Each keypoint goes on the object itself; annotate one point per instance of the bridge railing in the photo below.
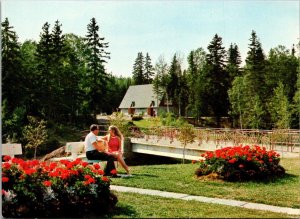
(288, 138)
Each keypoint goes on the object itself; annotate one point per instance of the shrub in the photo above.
(240, 163)
(64, 189)
(137, 117)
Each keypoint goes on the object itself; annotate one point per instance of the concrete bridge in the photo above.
(154, 145)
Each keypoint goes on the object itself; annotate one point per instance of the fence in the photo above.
(289, 138)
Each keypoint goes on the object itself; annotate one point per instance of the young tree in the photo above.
(35, 133)
(279, 107)
(161, 80)
(96, 75)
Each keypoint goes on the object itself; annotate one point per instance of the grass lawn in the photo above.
(132, 205)
(180, 178)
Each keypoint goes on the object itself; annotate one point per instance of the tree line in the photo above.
(262, 94)
(62, 78)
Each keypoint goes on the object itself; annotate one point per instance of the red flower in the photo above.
(270, 160)
(29, 171)
(87, 176)
(241, 166)
(232, 160)
(105, 179)
(47, 183)
(91, 180)
(5, 179)
(6, 158)
(84, 164)
(97, 166)
(113, 172)
(6, 165)
(101, 172)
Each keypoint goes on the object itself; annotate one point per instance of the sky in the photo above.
(160, 28)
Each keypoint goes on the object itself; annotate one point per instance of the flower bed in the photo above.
(64, 189)
(240, 163)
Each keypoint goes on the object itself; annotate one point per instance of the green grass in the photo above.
(180, 178)
(145, 123)
(132, 205)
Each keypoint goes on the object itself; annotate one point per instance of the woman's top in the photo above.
(113, 144)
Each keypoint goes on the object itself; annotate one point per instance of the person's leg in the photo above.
(122, 162)
(96, 155)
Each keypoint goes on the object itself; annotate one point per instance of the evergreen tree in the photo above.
(256, 90)
(197, 62)
(282, 68)
(217, 79)
(149, 73)
(138, 70)
(173, 87)
(233, 62)
(96, 75)
(14, 83)
(44, 84)
(255, 66)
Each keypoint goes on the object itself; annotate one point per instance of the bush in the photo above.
(240, 163)
(137, 117)
(64, 189)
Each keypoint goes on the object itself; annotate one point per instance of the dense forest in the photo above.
(62, 79)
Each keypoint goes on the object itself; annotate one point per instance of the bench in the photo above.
(11, 149)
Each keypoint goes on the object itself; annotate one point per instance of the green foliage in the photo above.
(12, 123)
(119, 120)
(280, 108)
(216, 79)
(96, 77)
(35, 133)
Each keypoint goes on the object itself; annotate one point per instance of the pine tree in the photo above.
(138, 70)
(149, 73)
(13, 82)
(97, 77)
(217, 79)
(197, 62)
(255, 65)
(173, 87)
(255, 72)
(14, 91)
(44, 83)
(233, 62)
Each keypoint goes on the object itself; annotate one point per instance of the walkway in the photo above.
(234, 203)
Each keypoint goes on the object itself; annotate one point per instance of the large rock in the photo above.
(60, 152)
